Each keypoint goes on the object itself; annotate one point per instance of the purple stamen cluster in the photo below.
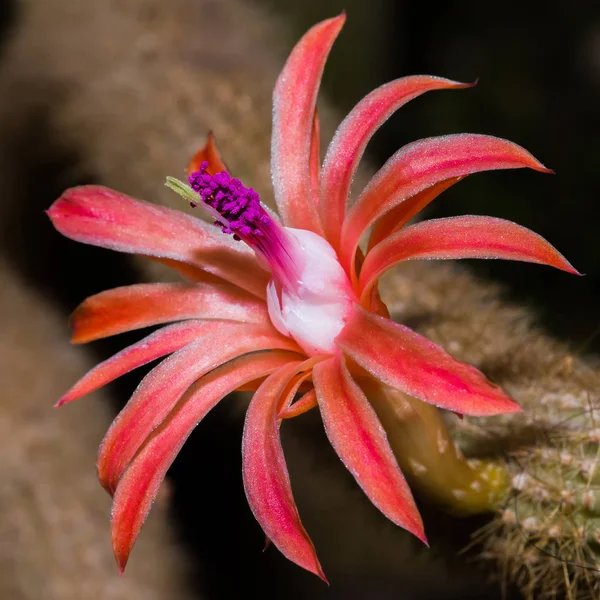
(238, 205)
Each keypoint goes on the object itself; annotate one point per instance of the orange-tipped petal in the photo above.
(294, 101)
(422, 164)
(266, 478)
(398, 217)
(140, 482)
(461, 237)
(351, 138)
(361, 443)
(301, 406)
(209, 153)
(162, 342)
(160, 390)
(407, 361)
(102, 217)
(135, 306)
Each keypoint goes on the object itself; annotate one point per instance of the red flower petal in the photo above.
(361, 443)
(160, 390)
(396, 218)
(294, 102)
(188, 272)
(407, 361)
(160, 343)
(210, 153)
(102, 217)
(140, 482)
(421, 164)
(304, 404)
(135, 306)
(266, 479)
(314, 165)
(461, 237)
(351, 138)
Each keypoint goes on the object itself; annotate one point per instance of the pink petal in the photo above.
(461, 237)
(266, 478)
(407, 361)
(160, 343)
(140, 482)
(304, 404)
(421, 164)
(314, 164)
(188, 272)
(351, 138)
(396, 218)
(135, 306)
(102, 217)
(210, 153)
(294, 102)
(361, 443)
(160, 390)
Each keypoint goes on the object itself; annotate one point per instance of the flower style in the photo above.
(288, 304)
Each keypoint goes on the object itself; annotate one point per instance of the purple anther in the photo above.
(238, 205)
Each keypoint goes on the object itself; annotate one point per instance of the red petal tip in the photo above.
(121, 563)
(418, 531)
(121, 556)
(511, 408)
(459, 85)
(567, 267)
(321, 574)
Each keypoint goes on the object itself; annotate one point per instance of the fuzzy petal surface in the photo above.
(422, 164)
(161, 389)
(350, 140)
(294, 101)
(360, 441)
(135, 306)
(266, 478)
(461, 237)
(160, 343)
(140, 482)
(102, 217)
(314, 164)
(399, 216)
(307, 402)
(409, 362)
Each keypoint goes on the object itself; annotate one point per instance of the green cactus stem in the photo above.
(429, 457)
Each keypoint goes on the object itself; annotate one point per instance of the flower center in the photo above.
(315, 310)
(310, 296)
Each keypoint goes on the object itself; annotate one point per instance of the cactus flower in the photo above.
(287, 305)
